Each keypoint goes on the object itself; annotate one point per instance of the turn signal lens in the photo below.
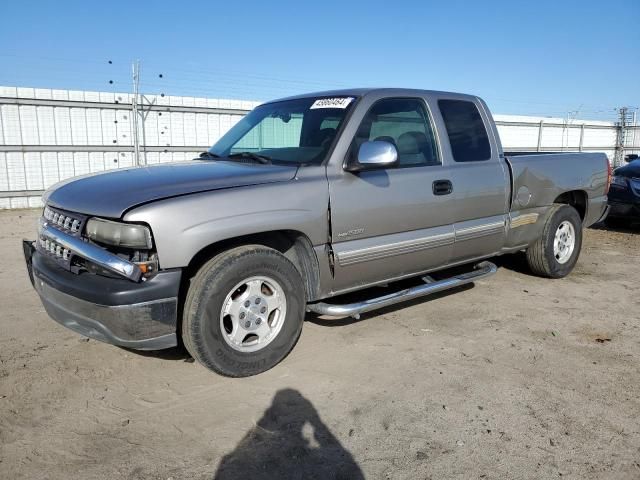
(148, 268)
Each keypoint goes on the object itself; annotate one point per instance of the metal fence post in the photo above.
(134, 106)
(540, 135)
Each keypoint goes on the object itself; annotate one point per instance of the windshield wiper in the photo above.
(209, 155)
(251, 156)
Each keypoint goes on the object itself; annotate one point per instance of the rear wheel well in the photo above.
(577, 199)
(294, 245)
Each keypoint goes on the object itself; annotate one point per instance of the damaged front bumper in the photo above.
(140, 316)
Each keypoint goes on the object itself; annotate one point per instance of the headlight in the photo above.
(620, 181)
(119, 234)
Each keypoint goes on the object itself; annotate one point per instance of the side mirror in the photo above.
(631, 157)
(373, 155)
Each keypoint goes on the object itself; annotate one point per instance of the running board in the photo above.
(482, 270)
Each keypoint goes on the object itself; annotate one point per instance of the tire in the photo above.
(212, 331)
(615, 222)
(546, 261)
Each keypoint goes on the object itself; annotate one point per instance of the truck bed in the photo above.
(538, 179)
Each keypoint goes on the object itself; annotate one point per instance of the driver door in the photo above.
(392, 222)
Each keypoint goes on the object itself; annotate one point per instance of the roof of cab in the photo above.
(360, 92)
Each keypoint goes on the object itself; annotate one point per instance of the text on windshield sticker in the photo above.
(338, 102)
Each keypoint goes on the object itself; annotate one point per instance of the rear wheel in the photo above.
(244, 311)
(556, 252)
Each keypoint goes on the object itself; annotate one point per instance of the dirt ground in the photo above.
(515, 377)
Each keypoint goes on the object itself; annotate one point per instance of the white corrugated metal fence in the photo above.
(51, 135)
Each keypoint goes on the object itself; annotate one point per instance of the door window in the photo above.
(405, 123)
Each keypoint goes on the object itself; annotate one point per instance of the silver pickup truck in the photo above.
(303, 200)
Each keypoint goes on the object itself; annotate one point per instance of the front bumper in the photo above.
(626, 210)
(141, 316)
(624, 201)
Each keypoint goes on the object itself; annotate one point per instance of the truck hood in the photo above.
(111, 194)
(631, 170)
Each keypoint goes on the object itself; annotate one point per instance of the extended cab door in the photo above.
(480, 178)
(391, 222)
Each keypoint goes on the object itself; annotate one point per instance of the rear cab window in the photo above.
(466, 131)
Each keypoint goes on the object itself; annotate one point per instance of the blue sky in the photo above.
(524, 57)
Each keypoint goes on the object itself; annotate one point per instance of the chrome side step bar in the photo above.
(482, 270)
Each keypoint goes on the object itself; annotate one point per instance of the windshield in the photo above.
(297, 131)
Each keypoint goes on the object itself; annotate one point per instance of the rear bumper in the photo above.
(596, 210)
(605, 214)
(141, 316)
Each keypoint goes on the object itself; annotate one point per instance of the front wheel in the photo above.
(244, 311)
(556, 252)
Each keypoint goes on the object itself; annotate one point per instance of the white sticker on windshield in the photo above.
(338, 102)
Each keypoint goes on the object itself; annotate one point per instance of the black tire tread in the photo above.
(615, 222)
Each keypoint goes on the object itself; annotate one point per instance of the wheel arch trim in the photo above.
(292, 244)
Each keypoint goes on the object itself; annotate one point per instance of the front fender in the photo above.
(183, 226)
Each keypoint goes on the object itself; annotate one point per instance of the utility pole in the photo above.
(141, 107)
(623, 125)
(135, 67)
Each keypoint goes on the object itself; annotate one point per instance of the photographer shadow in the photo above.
(289, 441)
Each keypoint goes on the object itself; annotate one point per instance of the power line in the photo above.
(237, 84)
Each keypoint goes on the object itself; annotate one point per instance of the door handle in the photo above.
(442, 187)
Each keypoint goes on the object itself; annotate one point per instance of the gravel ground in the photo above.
(515, 377)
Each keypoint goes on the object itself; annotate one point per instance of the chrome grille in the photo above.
(67, 222)
(63, 220)
(55, 249)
